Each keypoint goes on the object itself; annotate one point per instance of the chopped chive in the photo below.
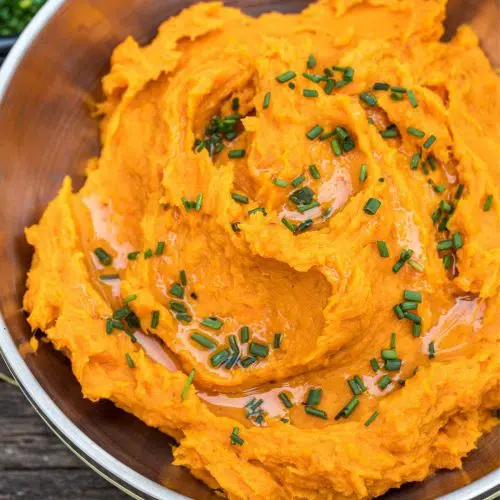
(412, 98)
(444, 245)
(384, 381)
(374, 364)
(372, 418)
(291, 85)
(199, 202)
(133, 255)
(155, 319)
(401, 90)
(447, 261)
(429, 142)
(213, 323)
(148, 253)
(310, 93)
(236, 153)
(380, 86)
(313, 170)
(303, 226)
(219, 358)
(409, 306)
(285, 400)
(445, 206)
(130, 298)
(160, 247)
(122, 312)
(130, 361)
(360, 383)
(488, 203)
(235, 227)
(316, 131)
(177, 307)
(117, 324)
(233, 343)
(417, 329)
(382, 249)
(280, 182)
(186, 203)
(104, 258)
(341, 133)
(413, 317)
(393, 341)
(316, 412)
(432, 351)
(235, 104)
(186, 318)
(340, 68)
(298, 180)
(277, 340)
(398, 311)
(350, 407)
(235, 438)
(439, 188)
(432, 163)
(392, 365)
(267, 100)
(286, 76)
(249, 360)
(305, 208)
(183, 278)
(415, 159)
(348, 74)
(458, 240)
(256, 210)
(389, 132)
(443, 224)
(330, 85)
(396, 96)
(311, 62)
(354, 386)
(258, 350)
(109, 325)
(239, 198)
(203, 340)
(288, 224)
(460, 190)
(328, 72)
(412, 296)
(363, 172)
(244, 334)
(314, 396)
(415, 132)
(425, 170)
(388, 354)
(326, 136)
(177, 290)
(436, 215)
(336, 147)
(314, 78)
(372, 205)
(367, 98)
(188, 383)
(109, 277)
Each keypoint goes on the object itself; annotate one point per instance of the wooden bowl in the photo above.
(47, 132)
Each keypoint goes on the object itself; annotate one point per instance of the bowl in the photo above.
(47, 132)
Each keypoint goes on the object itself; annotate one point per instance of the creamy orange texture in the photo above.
(327, 290)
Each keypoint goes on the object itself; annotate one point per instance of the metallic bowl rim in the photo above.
(111, 469)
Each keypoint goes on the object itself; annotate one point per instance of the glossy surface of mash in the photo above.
(327, 289)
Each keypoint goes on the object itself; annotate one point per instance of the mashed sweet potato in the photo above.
(287, 255)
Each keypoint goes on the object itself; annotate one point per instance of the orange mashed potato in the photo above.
(287, 255)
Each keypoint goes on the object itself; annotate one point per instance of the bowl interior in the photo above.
(48, 133)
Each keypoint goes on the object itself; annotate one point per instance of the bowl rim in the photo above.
(104, 464)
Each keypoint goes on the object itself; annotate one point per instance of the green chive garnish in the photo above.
(350, 407)
(109, 277)
(130, 361)
(330, 85)
(305, 208)
(368, 98)
(183, 278)
(413, 317)
(354, 386)
(288, 224)
(316, 131)
(374, 364)
(415, 159)
(109, 325)
(460, 190)
(291, 85)
(336, 147)
(388, 354)
(188, 383)
(382, 249)
(186, 318)
(148, 253)
(104, 258)
(443, 224)
(314, 396)
(177, 290)
(244, 334)
(235, 438)
(398, 311)
(267, 100)
(316, 412)
(256, 210)
(160, 247)
(130, 298)
(381, 86)
(396, 96)
(458, 241)
(310, 93)
(384, 381)
(219, 358)
(177, 307)
(213, 323)
(409, 306)
(372, 418)
(203, 340)
(412, 98)
(186, 203)
(432, 350)
(277, 340)
(412, 296)
(122, 312)
(488, 203)
(249, 360)
(311, 62)
(313, 170)
(303, 226)
(198, 202)
(371, 206)
(155, 319)
(432, 162)
(133, 255)
(429, 142)
(286, 76)
(417, 330)
(236, 153)
(444, 245)
(298, 181)
(258, 350)
(400, 90)
(280, 182)
(239, 198)
(285, 400)
(363, 172)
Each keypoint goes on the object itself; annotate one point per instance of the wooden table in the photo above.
(34, 464)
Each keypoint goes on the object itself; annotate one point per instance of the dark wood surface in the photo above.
(34, 463)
